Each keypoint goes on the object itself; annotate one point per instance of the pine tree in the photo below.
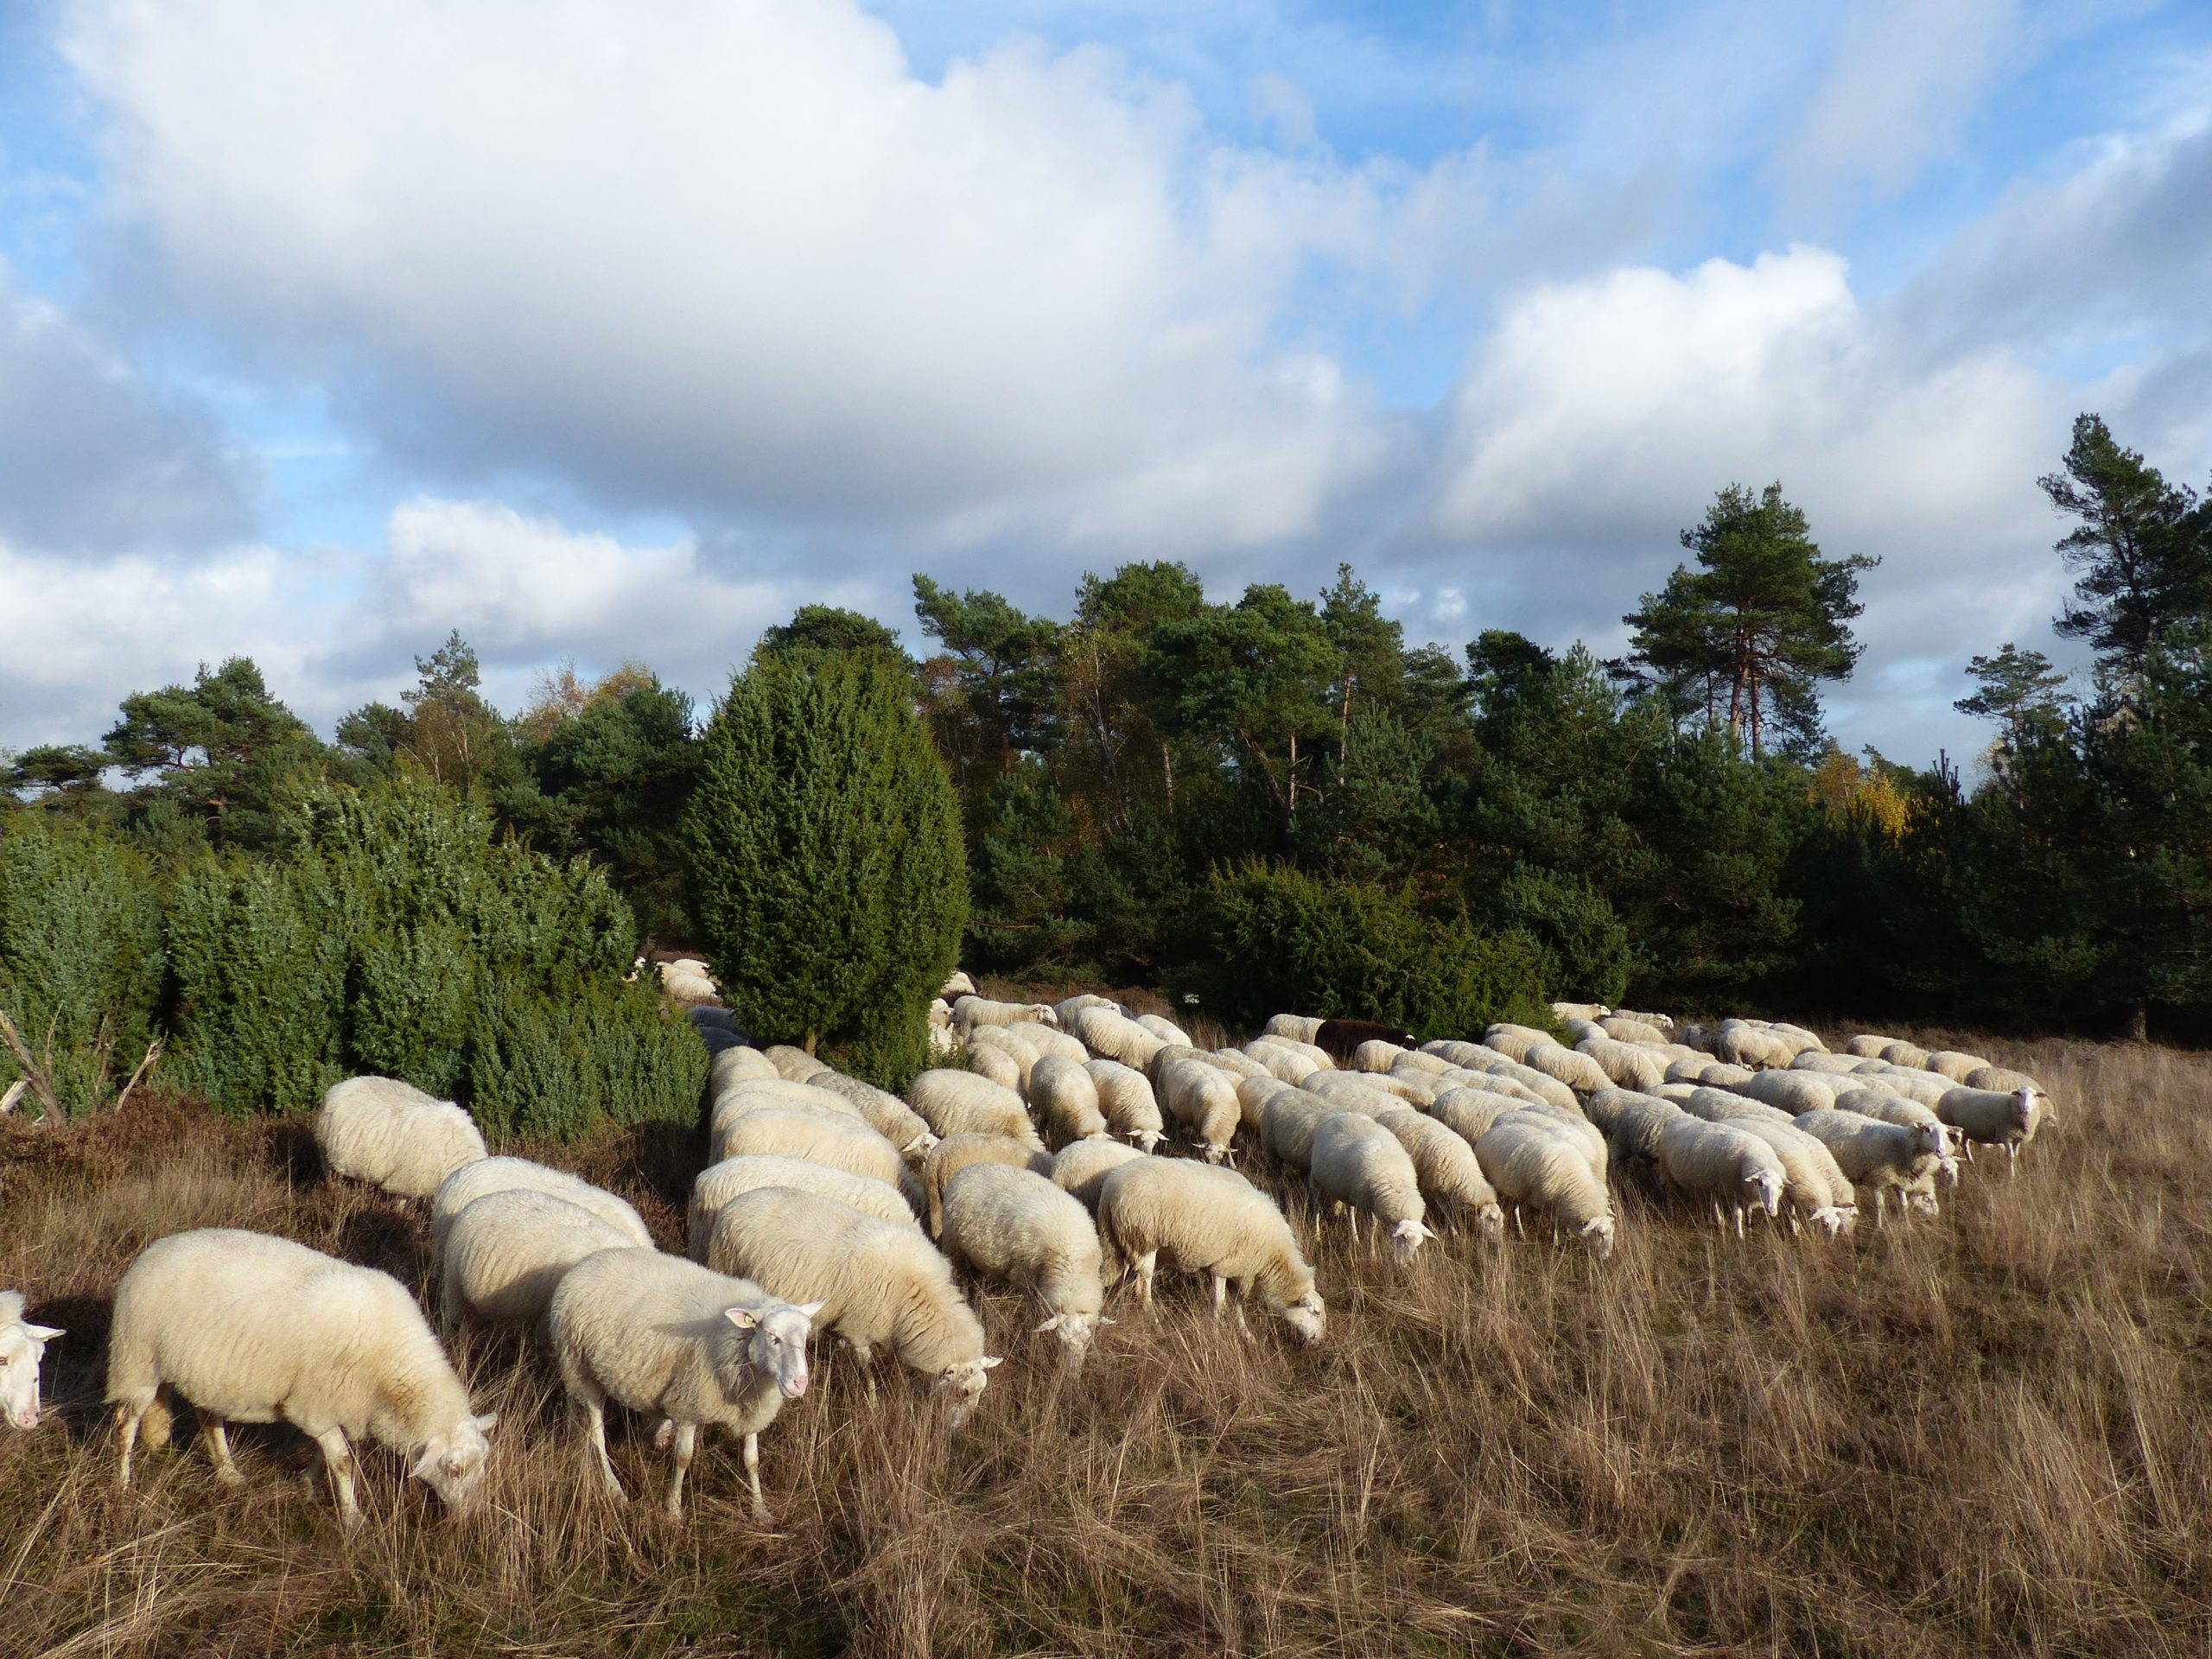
(827, 867)
(2142, 548)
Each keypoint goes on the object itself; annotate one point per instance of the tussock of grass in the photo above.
(1977, 1435)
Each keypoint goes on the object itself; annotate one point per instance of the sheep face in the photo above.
(1074, 1332)
(775, 1342)
(1306, 1316)
(1598, 1234)
(2024, 1111)
(1833, 1221)
(1927, 1138)
(960, 1384)
(1918, 1202)
(452, 1463)
(21, 1347)
(1147, 1140)
(1490, 1224)
(1762, 1190)
(1406, 1237)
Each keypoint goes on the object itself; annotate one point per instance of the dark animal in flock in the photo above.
(1341, 1037)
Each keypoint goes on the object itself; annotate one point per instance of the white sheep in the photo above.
(1352, 1091)
(1800, 1041)
(994, 1064)
(1992, 1117)
(1111, 1035)
(255, 1329)
(780, 1131)
(1359, 1166)
(875, 1285)
(1790, 1091)
(1066, 1009)
(1579, 1010)
(1451, 1176)
(22, 1348)
(1884, 1107)
(1632, 1133)
(489, 1175)
(1952, 1063)
(1513, 1041)
(717, 1184)
(1815, 1185)
(1048, 1040)
(1727, 1166)
(1236, 1062)
(1626, 1065)
(505, 1252)
(883, 1111)
(1417, 1060)
(737, 1063)
(984, 1041)
(393, 1135)
(677, 1341)
(1470, 1113)
(1577, 1129)
(1298, 1027)
(1080, 1168)
(1287, 1120)
(689, 988)
(960, 1102)
(1064, 1096)
(1908, 1055)
(1125, 1095)
(1204, 1103)
(1725, 1106)
(2005, 1080)
(970, 1011)
(956, 986)
(1866, 1045)
(1155, 1211)
(1578, 1071)
(764, 1095)
(1016, 1227)
(1914, 1082)
(1886, 1157)
(792, 1063)
(1533, 1165)
(958, 1152)
(1376, 1055)
(1662, 1023)
(1281, 1059)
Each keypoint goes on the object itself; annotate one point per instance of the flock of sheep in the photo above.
(1041, 1164)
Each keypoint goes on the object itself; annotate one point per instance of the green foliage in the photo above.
(828, 873)
(1587, 942)
(223, 747)
(1348, 949)
(557, 1064)
(2142, 547)
(80, 956)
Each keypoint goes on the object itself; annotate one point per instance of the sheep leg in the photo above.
(1739, 1221)
(594, 1407)
(1220, 1294)
(1146, 1265)
(753, 1476)
(2012, 1162)
(687, 1442)
(129, 1419)
(1517, 1226)
(337, 1461)
(218, 1448)
(1880, 1219)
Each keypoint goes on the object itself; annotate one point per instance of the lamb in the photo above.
(1733, 1168)
(874, 1285)
(717, 1184)
(392, 1134)
(1204, 1103)
(22, 1348)
(960, 1102)
(1451, 1176)
(958, 1152)
(1165, 1029)
(1153, 1209)
(781, 1132)
(1287, 1124)
(884, 1112)
(1065, 1096)
(1814, 1183)
(1358, 1164)
(1018, 1228)
(792, 1064)
(736, 1064)
(677, 1341)
(1625, 1065)
(1887, 1157)
(1791, 1091)
(1125, 1096)
(488, 1175)
(995, 1065)
(506, 1251)
(1113, 1036)
(1281, 1059)
(1950, 1063)
(254, 1329)
(1533, 1167)
(1082, 1167)
(1340, 1038)
(1298, 1027)
(1993, 1118)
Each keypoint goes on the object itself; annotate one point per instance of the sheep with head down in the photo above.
(1533, 1165)
(1172, 1212)
(1357, 1165)
(1020, 1228)
(22, 1348)
(1727, 1166)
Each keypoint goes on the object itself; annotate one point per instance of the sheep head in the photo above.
(775, 1336)
(452, 1464)
(1305, 1315)
(1764, 1190)
(1406, 1237)
(960, 1384)
(1074, 1332)
(22, 1345)
(1490, 1224)
(1598, 1234)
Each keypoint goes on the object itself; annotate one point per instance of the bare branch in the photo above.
(40, 1081)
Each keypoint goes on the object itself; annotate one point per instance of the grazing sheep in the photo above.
(958, 1152)
(1165, 1029)
(716, 1039)
(689, 988)
(1791, 1091)
(971, 1011)
(717, 1184)
(506, 1251)
(393, 1135)
(1415, 1085)
(1203, 1102)
(1340, 1038)
(719, 1019)
(1298, 1027)
(1470, 1113)
(1377, 1055)
(1064, 1095)
(254, 1329)
(1081, 1168)
(1048, 1040)
(1662, 1023)
(1011, 1043)
(1125, 1095)
(1066, 1009)
(1688, 1068)
(1281, 1059)
(1515, 1041)
(1170, 1052)
(1418, 1059)
(489, 1175)
(672, 1339)
(883, 1111)
(1952, 1063)
(1237, 1061)
(1602, 1107)
(960, 1102)
(1887, 1108)
(1576, 1127)
(1928, 1088)
(23, 1347)
(1156, 1211)
(1113, 1036)
(1451, 1176)
(1534, 1166)
(792, 1064)
(1019, 1229)
(2004, 1080)
(956, 986)
(781, 1132)
(764, 1095)
(1579, 1010)
(994, 1064)
(1358, 1164)
(1725, 1106)
(1815, 1185)
(1632, 1138)
(1541, 1086)
(1353, 1091)
(1626, 1065)
(736, 1065)
(941, 1041)
(1800, 1041)
(1727, 1165)
(1992, 1117)
(1287, 1121)
(1911, 1055)
(1886, 1157)
(873, 1285)
(1866, 1046)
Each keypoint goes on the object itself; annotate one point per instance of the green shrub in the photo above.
(557, 1064)
(81, 956)
(1589, 945)
(1284, 940)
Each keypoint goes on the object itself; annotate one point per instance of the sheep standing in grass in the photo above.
(960, 1102)
(994, 1064)
(489, 1175)
(1203, 1102)
(505, 1252)
(677, 1341)
(873, 1285)
(1066, 1098)
(1626, 1065)
(1992, 1118)
(1005, 1040)
(1451, 1176)
(1298, 1027)
(958, 1152)
(1579, 1010)
(1163, 1210)
(1886, 1157)
(1049, 1041)
(1730, 1168)
(22, 1348)
(1125, 1095)
(1378, 1054)
(254, 1329)
(717, 1184)
(780, 1132)
(1368, 1093)
(1952, 1063)
(1081, 1168)
(1791, 1091)
(1113, 1036)
(1471, 1113)
(794, 1064)
(1534, 1166)
(736, 1064)
(1281, 1059)
(1632, 1136)
(1287, 1121)
(1066, 1009)
(883, 1111)
(970, 1012)
(393, 1135)
(1886, 1107)
(1359, 1166)
(1815, 1185)
(1020, 1228)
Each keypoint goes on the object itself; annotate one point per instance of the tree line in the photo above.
(1136, 783)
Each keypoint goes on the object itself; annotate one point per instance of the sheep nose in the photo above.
(794, 1387)
(26, 1417)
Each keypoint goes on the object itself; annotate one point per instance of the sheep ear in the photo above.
(989, 1360)
(42, 1333)
(487, 1422)
(743, 1318)
(1102, 1319)
(1052, 1324)
(811, 1309)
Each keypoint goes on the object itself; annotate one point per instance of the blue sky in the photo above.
(606, 331)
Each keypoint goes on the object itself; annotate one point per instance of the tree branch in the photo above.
(41, 1082)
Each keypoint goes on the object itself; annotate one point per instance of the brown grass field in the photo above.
(1982, 1434)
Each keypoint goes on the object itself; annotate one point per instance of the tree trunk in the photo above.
(813, 1038)
(2135, 1023)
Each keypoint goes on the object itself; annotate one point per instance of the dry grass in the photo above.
(1975, 1436)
